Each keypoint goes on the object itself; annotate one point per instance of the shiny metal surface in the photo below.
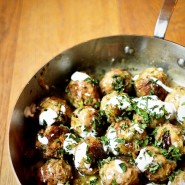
(93, 57)
(164, 18)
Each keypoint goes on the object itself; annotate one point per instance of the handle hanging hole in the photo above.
(181, 62)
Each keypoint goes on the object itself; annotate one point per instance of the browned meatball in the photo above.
(179, 178)
(170, 135)
(147, 83)
(54, 109)
(125, 137)
(151, 111)
(118, 171)
(86, 155)
(87, 121)
(177, 97)
(114, 105)
(155, 165)
(55, 171)
(83, 91)
(117, 79)
(50, 141)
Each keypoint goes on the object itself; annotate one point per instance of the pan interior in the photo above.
(134, 53)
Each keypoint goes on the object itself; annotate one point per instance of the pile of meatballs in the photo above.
(120, 130)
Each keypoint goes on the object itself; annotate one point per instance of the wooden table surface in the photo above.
(34, 31)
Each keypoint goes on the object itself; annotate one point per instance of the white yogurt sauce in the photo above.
(80, 155)
(117, 163)
(160, 69)
(69, 143)
(143, 160)
(79, 76)
(112, 136)
(43, 140)
(179, 183)
(153, 105)
(84, 133)
(158, 82)
(175, 144)
(181, 110)
(118, 101)
(138, 129)
(63, 109)
(135, 77)
(48, 116)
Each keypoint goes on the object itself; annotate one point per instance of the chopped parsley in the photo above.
(114, 182)
(123, 167)
(94, 181)
(92, 81)
(120, 141)
(154, 167)
(57, 140)
(118, 83)
(104, 140)
(105, 161)
(172, 153)
(173, 174)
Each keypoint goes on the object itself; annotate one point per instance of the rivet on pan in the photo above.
(181, 62)
(128, 50)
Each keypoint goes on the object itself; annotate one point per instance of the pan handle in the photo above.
(164, 18)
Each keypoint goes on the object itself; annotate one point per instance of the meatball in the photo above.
(54, 109)
(151, 82)
(177, 97)
(50, 141)
(55, 171)
(70, 143)
(82, 90)
(87, 121)
(116, 79)
(118, 171)
(156, 166)
(124, 137)
(115, 105)
(86, 155)
(168, 135)
(179, 178)
(151, 111)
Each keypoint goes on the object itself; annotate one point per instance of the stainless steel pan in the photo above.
(132, 52)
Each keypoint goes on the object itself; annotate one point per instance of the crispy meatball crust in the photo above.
(83, 93)
(145, 86)
(59, 106)
(125, 138)
(151, 122)
(95, 147)
(116, 79)
(170, 135)
(87, 121)
(55, 171)
(86, 155)
(119, 172)
(114, 105)
(175, 96)
(54, 137)
(179, 178)
(166, 166)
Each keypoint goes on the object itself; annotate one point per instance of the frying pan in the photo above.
(134, 53)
